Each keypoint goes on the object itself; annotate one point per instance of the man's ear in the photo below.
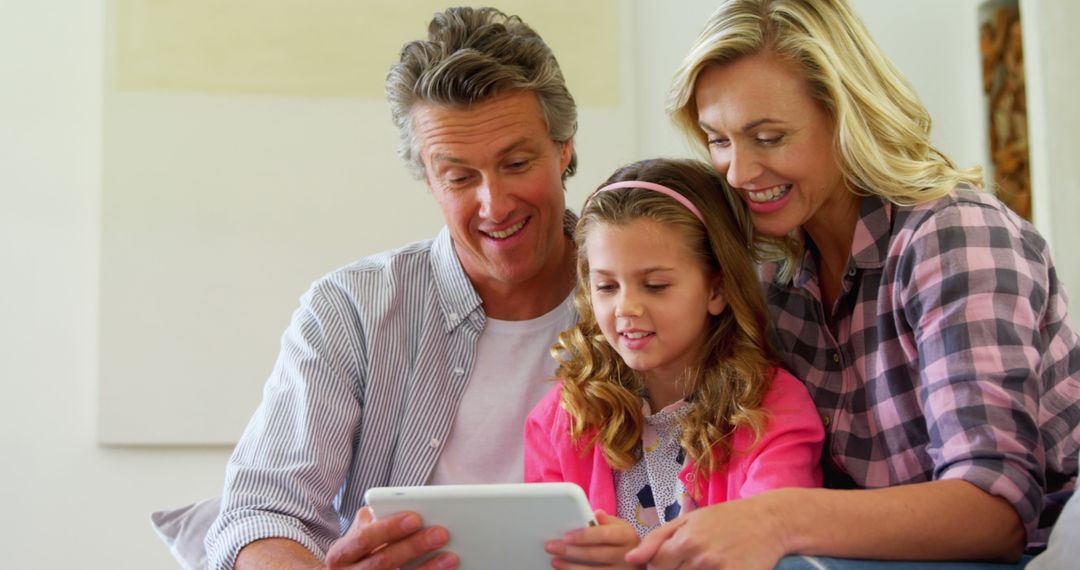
(717, 301)
(565, 154)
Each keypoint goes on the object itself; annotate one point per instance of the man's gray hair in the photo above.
(472, 55)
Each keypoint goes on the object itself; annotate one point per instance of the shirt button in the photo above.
(851, 272)
(690, 477)
(836, 357)
(434, 442)
(459, 371)
(825, 420)
(453, 316)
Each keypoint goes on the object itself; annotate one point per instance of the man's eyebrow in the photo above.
(443, 157)
(513, 146)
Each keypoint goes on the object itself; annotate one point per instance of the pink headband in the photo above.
(655, 188)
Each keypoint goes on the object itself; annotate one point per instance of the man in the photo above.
(419, 365)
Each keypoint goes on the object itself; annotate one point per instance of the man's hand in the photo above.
(389, 543)
(604, 546)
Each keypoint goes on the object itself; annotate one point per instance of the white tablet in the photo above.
(492, 526)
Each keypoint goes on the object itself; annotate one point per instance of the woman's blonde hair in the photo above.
(882, 129)
(601, 393)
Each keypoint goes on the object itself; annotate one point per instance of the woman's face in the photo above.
(772, 141)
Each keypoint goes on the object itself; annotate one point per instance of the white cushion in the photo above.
(184, 531)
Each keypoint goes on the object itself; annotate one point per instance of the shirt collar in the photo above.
(457, 298)
(869, 245)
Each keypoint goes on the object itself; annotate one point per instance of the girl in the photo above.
(669, 397)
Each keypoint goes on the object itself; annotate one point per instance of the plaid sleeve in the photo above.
(974, 289)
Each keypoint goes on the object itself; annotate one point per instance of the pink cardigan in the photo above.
(786, 456)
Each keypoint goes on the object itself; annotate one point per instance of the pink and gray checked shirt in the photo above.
(950, 354)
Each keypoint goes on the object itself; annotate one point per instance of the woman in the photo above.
(924, 317)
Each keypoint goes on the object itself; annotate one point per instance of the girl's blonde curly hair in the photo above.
(601, 394)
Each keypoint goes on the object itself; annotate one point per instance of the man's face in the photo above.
(497, 176)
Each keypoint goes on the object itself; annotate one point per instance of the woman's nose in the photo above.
(742, 167)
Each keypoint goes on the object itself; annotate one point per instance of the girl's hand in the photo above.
(604, 545)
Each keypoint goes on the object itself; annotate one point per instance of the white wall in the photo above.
(66, 500)
(1050, 58)
(663, 38)
(240, 163)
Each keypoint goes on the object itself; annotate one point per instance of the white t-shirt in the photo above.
(512, 372)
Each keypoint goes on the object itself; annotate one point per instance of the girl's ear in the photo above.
(717, 301)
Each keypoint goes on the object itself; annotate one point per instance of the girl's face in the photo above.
(772, 141)
(651, 295)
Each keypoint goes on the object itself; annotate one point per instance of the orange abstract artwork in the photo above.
(1003, 81)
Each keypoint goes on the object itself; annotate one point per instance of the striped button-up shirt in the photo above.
(949, 355)
(363, 394)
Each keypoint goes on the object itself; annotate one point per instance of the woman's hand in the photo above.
(936, 520)
(741, 534)
(604, 545)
